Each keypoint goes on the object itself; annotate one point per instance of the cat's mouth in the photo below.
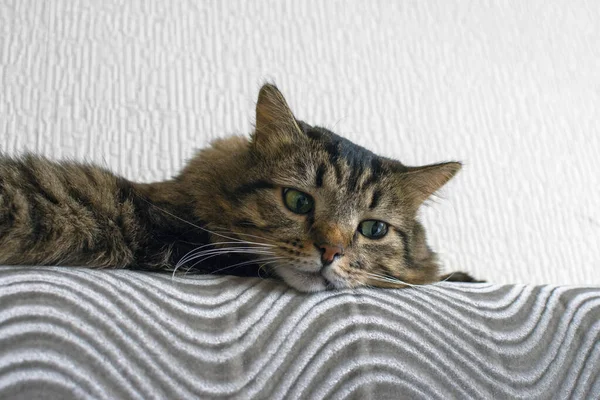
(315, 281)
(333, 280)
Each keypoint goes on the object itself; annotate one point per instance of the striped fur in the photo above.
(230, 196)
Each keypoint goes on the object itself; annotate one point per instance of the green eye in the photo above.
(298, 202)
(373, 229)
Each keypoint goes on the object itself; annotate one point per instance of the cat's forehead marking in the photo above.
(355, 168)
(338, 147)
(375, 198)
(319, 175)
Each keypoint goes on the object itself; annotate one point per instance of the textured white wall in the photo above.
(513, 90)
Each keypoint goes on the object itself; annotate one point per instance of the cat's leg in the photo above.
(66, 214)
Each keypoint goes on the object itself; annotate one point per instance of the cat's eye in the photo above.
(373, 229)
(297, 201)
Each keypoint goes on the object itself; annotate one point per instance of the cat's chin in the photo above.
(303, 281)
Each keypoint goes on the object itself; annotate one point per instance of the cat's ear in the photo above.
(275, 122)
(418, 183)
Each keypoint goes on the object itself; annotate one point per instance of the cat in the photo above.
(294, 201)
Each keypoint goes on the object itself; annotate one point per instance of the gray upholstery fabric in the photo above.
(75, 333)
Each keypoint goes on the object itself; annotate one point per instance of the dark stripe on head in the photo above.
(337, 169)
(357, 170)
(325, 137)
(376, 172)
(375, 199)
(333, 151)
(320, 173)
(376, 167)
(406, 244)
(252, 187)
(334, 159)
(342, 151)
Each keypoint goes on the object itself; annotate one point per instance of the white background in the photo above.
(513, 90)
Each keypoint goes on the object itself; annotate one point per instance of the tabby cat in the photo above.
(295, 201)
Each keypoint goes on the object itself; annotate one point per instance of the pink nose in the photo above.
(330, 252)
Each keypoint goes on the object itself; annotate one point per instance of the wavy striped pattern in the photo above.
(76, 333)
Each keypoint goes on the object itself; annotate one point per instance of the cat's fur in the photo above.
(230, 195)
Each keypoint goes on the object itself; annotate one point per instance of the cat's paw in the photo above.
(303, 281)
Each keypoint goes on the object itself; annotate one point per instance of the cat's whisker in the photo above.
(191, 258)
(385, 278)
(214, 253)
(263, 266)
(260, 262)
(390, 279)
(244, 242)
(256, 261)
(366, 285)
(248, 262)
(224, 230)
(225, 250)
(228, 252)
(196, 250)
(276, 265)
(220, 269)
(216, 245)
(271, 243)
(357, 282)
(447, 278)
(190, 223)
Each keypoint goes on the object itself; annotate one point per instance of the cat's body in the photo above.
(67, 213)
(300, 201)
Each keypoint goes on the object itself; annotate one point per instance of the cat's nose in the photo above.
(330, 252)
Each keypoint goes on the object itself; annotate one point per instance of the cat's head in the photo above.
(329, 212)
